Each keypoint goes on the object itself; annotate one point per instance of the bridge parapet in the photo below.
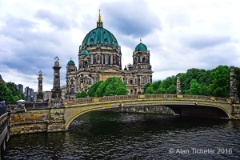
(78, 100)
(146, 96)
(114, 98)
(3, 121)
(4, 134)
(160, 96)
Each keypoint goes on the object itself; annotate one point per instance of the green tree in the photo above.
(16, 94)
(220, 81)
(100, 92)
(5, 93)
(197, 81)
(92, 90)
(115, 86)
(148, 89)
(112, 86)
(82, 94)
(195, 88)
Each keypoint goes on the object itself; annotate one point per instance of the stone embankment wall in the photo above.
(32, 121)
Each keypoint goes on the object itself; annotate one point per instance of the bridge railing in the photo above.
(145, 96)
(3, 121)
(160, 96)
(114, 98)
(3, 109)
(42, 105)
(78, 100)
(205, 97)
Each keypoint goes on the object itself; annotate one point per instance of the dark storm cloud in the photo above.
(202, 42)
(56, 20)
(130, 17)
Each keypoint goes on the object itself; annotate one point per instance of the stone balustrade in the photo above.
(145, 96)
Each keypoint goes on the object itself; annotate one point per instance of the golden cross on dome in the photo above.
(140, 40)
(99, 17)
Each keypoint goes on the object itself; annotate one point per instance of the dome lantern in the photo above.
(100, 36)
(141, 46)
(70, 62)
(99, 22)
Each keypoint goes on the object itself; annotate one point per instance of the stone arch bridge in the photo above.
(56, 118)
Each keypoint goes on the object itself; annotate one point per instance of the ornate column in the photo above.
(91, 59)
(120, 62)
(178, 86)
(233, 87)
(111, 59)
(40, 90)
(56, 91)
(102, 58)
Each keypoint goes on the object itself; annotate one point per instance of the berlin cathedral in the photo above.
(100, 57)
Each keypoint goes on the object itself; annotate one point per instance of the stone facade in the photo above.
(47, 95)
(64, 91)
(100, 57)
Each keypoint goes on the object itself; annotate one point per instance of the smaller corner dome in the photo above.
(71, 62)
(84, 52)
(141, 46)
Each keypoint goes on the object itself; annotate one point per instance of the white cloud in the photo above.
(179, 34)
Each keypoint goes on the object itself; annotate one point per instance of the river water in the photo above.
(113, 135)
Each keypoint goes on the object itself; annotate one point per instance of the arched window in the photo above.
(131, 81)
(94, 59)
(144, 80)
(103, 59)
(144, 60)
(91, 41)
(86, 81)
(105, 41)
(72, 90)
(106, 59)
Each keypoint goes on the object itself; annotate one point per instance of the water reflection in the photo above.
(112, 135)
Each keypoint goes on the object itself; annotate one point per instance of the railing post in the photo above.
(178, 90)
(179, 96)
(95, 99)
(141, 96)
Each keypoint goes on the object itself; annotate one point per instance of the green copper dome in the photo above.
(84, 52)
(141, 46)
(100, 36)
(71, 62)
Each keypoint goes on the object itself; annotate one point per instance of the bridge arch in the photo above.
(72, 113)
(185, 105)
(200, 111)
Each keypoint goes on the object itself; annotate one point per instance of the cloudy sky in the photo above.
(179, 34)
